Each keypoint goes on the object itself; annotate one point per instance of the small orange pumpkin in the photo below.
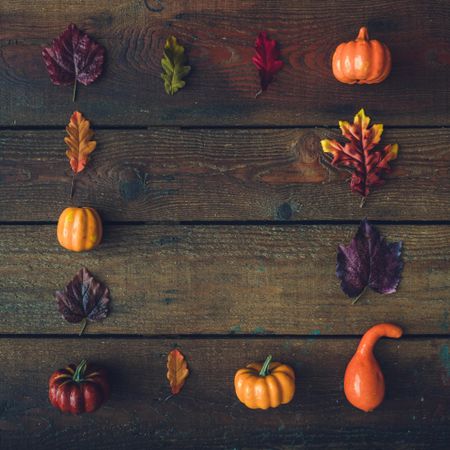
(262, 386)
(79, 229)
(362, 61)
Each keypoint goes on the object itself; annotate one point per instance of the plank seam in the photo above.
(236, 336)
(286, 223)
(100, 127)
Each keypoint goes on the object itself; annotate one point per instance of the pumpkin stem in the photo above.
(79, 371)
(363, 34)
(265, 368)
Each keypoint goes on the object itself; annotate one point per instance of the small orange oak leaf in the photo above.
(177, 370)
(79, 141)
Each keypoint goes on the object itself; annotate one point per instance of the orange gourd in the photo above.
(79, 229)
(265, 385)
(362, 61)
(363, 380)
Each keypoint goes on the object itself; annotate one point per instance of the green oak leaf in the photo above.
(173, 65)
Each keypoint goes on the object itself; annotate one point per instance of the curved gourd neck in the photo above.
(374, 334)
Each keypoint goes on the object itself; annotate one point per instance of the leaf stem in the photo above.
(168, 397)
(74, 92)
(359, 296)
(73, 185)
(83, 327)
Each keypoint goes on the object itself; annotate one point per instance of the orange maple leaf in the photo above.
(79, 141)
(177, 370)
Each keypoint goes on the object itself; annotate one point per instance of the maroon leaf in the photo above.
(83, 299)
(369, 261)
(266, 59)
(73, 57)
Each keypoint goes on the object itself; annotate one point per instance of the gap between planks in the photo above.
(101, 127)
(236, 336)
(284, 223)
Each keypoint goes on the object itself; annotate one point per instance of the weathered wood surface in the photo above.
(206, 413)
(219, 36)
(236, 281)
(221, 280)
(172, 174)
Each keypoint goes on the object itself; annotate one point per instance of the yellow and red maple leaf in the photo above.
(367, 162)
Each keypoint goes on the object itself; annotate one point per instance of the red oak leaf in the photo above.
(266, 59)
(72, 57)
(368, 164)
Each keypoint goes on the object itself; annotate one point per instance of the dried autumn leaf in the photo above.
(177, 370)
(79, 141)
(72, 57)
(266, 59)
(172, 63)
(369, 261)
(84, 299)
(368, 164)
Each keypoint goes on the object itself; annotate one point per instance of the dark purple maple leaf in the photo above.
(83, 299)
(72, 57)
(369, 261)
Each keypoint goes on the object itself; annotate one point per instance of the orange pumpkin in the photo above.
(79, 229)
(262, 386)
(362, 61)
(363, 380)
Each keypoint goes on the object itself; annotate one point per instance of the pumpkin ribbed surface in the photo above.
(269, 391)
(79, 229)
(362, 61)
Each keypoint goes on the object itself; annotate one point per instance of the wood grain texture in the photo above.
(206, 413)
(219, 36)
(221, 279)
(204, 174)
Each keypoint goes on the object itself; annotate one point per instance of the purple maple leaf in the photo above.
(369, 261)
(72, 57)
(83, 299)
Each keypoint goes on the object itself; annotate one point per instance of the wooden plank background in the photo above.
(222, 280)
(220, 36)
(207, 414)
(222, 219)
(210, 174)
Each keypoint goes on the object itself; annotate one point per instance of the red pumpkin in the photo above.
(362, 61)
(78, 389)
